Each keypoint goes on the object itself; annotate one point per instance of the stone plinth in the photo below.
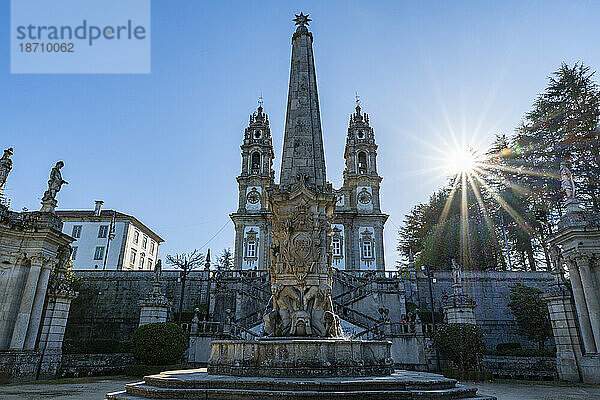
(155, 307)
(300, 358)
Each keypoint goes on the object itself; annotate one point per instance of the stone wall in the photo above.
(78, 365)
(491, 291)
(114, 314)
(512, 367)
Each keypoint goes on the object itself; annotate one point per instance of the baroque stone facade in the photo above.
(356, 237)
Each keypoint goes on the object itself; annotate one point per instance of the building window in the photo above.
(149, 264)
(74, 253)
(362, 162)
(142, 261)
(336, 244)
(367, 250)
(152, 247)
(136, 236)
(99, 253)
(102, 231)
(76, 231)
(251, 250)
(132, 257)
(145, 241)
(255, 162)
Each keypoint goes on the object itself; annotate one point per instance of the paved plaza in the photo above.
(96, 388)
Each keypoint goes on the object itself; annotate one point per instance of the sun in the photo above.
(462, 161)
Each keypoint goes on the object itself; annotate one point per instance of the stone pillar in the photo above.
(10, 281)
(38, 305)
(53, 333)
(22, 321)
(155, 307)
(564, 327)
(584, 319)
(591, 296)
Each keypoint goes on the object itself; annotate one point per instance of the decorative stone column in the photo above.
(584, 318)
(155, 306)
(592, 295)
(29, 292)
(38, 305)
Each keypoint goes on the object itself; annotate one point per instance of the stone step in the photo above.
(198, 384)
(279, 384)
(141, 391)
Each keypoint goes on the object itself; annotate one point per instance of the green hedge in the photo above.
(461, 344)
(96, 346)
(161, 343)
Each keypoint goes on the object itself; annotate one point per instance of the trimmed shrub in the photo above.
(160, 343)
(461, 344)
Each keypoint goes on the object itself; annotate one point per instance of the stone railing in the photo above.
(34, 219)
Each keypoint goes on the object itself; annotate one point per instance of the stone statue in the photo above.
(6, 165)
(566, 181)
(456, 273)
(54, 183)
(157, 271)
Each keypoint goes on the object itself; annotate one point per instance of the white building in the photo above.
(134, 246)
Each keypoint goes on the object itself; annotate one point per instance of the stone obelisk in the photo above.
(302, 205)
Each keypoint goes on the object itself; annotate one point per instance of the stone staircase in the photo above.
(198, 384)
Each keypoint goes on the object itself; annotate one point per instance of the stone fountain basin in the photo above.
(292, 357)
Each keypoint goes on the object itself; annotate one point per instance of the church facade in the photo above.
(357, 224)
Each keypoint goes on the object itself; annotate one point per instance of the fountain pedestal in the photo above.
(291, 357)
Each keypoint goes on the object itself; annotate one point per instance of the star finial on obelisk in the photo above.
(302, 20)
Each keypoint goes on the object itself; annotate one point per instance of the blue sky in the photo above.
(165, 146)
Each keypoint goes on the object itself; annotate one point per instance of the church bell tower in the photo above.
(357, 232)
(250, 221)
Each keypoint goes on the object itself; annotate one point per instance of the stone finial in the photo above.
(301, 19)
(55, 183)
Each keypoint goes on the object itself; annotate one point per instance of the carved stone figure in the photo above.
(456, 273)
(55, 182)
(157, 271)
(6, 165)
(566, 181)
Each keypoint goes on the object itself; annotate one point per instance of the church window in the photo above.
(367, 250)
(255, 163)
(257, 134)
(251, 250)
(336, 244)
(360, 134)
(362, 162)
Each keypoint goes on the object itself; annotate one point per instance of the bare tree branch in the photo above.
(186, 261)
